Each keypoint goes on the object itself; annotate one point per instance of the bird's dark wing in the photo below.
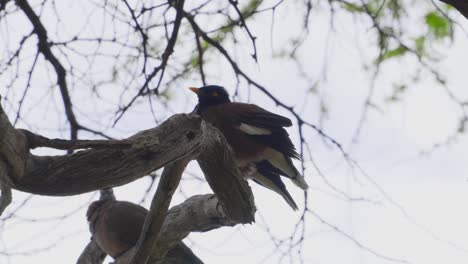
(265, 127)
(254, 115)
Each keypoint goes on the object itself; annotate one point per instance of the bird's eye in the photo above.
(215, 94)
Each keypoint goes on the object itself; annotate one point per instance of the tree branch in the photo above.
(44, 48)
(199, 213)
(13, 150)
(5, 190)
(234, 4)
(170, 179)
(180, 254)
(36, 141)
(178, 5)
(92, 254)
(175, 142)
(95, 169)
(215, 160)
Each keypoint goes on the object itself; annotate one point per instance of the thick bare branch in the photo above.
(92, 169)
(170, 179)
(13, 150)
(200, 213)
(180, 254)
(224, 177)
(92, 254)
(5, 190)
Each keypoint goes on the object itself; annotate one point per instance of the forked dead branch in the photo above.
(106, 164)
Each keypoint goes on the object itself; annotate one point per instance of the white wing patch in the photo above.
(253, 130)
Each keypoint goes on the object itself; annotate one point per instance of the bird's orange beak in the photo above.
(195, 90)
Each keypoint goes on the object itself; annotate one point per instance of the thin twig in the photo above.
(45, 48)
(162, 66)
(36, 141)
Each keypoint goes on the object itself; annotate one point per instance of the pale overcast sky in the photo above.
(413, 209)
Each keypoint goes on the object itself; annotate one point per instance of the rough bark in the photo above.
(13, 150)
(180, 254)
(94, 169)
(200, 213)
(217, 164)
(178, 140)
(92, 254)
(170, 179)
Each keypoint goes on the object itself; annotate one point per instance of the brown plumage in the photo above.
(257, 137)
(116, 227)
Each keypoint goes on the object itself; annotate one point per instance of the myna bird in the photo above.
(257, 137)
(116, 227)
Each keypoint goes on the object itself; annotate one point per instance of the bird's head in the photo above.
(211, 95)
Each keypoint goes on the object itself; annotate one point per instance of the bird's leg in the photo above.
(248, 170)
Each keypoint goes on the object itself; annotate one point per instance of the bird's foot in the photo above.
(248, 171)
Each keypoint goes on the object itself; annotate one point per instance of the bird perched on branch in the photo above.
(116, 227)
(257, 137)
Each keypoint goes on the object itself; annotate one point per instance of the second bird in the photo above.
(257, 137)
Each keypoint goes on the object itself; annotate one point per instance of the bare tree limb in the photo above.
(178, 5)
(216, 161)
(170, 179)
(235, 3)
(92, 254)
(13, 150)
(5, 190)
(92, 169)
(178, 137)
(45, 48)
(175, 142)
(200, 213)
(36, 141)
(144, 36)
(180, 254)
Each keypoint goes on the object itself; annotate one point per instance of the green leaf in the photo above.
(353, 7)
(438, 25)
(400, 51)
(395, 8)
(394, 52)
(195, 61)
(419, 45)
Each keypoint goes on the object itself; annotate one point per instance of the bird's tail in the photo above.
(272, 181)
(300, 182)
(281, 164)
